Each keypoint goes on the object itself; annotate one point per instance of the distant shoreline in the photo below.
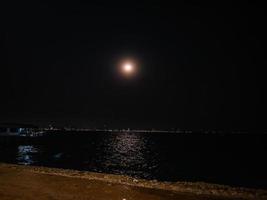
(197, 188)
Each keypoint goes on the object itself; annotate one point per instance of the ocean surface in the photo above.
(231, 159)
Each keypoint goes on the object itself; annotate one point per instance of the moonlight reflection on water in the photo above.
(125, 152)
(161, 156)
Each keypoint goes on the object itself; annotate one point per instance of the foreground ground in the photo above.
(31, 183)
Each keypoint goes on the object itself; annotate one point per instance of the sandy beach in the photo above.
(28, 182)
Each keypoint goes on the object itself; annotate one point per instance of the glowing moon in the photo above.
(128, 67)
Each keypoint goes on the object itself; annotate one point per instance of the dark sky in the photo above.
(202, 65)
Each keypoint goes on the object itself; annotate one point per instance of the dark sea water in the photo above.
(238, 160)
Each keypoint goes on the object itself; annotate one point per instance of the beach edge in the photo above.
(198, 188)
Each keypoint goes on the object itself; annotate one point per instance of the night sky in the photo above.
(201, 65)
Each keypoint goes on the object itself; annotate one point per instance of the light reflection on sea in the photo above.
(25, 154)
(124, 153)
(161, 156)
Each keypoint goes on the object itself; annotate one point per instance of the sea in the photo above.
(230, 159)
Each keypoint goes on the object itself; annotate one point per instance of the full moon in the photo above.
(128, 67)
